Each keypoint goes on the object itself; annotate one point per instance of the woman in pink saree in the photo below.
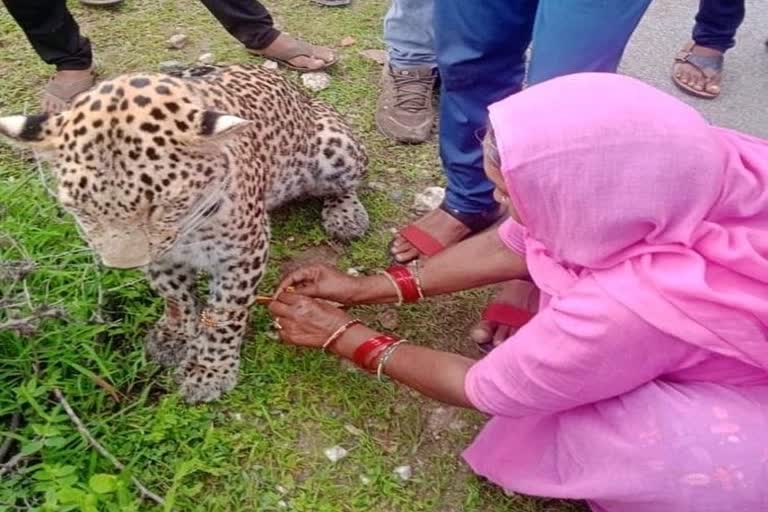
(641, 385)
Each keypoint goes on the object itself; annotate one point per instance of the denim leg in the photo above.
(717, 22)
(481, 48)
(409, 33)
(573, 36)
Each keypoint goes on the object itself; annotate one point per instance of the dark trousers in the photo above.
(717, 22)
(55, 35)
(481, 54)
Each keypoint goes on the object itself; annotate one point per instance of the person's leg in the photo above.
(249, 22)
(480, 49)
(404, 109)
(575, 36)
(570, 36)
(53, 32)
(56, 38)
(699, 65)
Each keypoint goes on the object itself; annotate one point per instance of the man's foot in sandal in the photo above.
(297, 54)
(511, 308)
(698, 71)
(64, 86)
(437, 230)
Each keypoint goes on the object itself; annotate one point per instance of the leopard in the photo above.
(177, 176)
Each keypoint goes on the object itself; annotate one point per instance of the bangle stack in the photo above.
(407, 283)
(373, 354)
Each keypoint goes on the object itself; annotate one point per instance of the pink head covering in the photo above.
(670, 214)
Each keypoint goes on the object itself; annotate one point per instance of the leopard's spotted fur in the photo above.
(165, 173)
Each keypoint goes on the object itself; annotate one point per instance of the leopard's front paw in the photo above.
(205, 383)
(165, 346)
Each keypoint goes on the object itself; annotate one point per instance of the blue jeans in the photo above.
(717, 22)
(409, 34)
(481, 47)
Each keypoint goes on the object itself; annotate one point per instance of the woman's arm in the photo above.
(438, 375)
(478, 261)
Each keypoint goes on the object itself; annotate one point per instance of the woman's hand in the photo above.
(322, 282)
(304, 321)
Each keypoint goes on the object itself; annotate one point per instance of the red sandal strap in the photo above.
(505, 314)
(425, 243)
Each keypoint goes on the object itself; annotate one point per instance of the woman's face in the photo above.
(493, 173)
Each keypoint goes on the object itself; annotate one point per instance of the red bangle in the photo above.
(361, 355)
(406, 282)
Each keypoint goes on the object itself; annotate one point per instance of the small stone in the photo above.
(281, 489)
(365, 480)
(316, 81)
(335, 453)
(377, 186)
(348, 41)
(353, 272)
(171, 66)
(282, 504)
(206, 58)
(353, 430)
(404, 472)
(396, 195)
(389, 319)
(177, 41)
(429, 199)
(270, 64)
(377, 56)
(237, 416)
(291, 239)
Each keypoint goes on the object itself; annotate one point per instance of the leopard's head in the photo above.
(132, 160)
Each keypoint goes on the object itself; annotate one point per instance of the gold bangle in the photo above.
(338, 332)
(394, 284)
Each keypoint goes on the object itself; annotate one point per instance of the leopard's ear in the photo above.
(34, 131)
(215, 125)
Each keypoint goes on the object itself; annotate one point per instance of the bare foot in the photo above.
(298, 54)
(702, 78)
(520, 294)
(440, 225)
(64, 86)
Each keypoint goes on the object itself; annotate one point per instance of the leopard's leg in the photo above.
(342, 164)
(213, 362)
(167, 342)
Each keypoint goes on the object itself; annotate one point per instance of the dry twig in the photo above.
(145, 493)
(27, 326)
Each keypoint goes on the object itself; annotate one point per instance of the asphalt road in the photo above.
(743, 104)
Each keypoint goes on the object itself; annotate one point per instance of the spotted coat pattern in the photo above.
(171, 163)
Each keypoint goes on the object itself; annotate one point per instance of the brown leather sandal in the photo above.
(708, 65)
(57, 94)
(299, 48)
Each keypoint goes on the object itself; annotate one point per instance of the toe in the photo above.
(482, 332)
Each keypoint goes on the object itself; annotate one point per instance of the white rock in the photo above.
(335, 453)
(170, 66)
(177, 41)
(404, 472)
(316, 81)
(353, 272)
(281, 489)
(237, 416)
(365, 480)
(270, 64)
(206, 58)
(282, 504)
(429, 199)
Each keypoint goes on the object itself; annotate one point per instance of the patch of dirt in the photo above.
(311, 256)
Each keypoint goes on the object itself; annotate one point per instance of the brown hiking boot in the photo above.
(404, 111)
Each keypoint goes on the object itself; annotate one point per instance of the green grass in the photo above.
(261, 447)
